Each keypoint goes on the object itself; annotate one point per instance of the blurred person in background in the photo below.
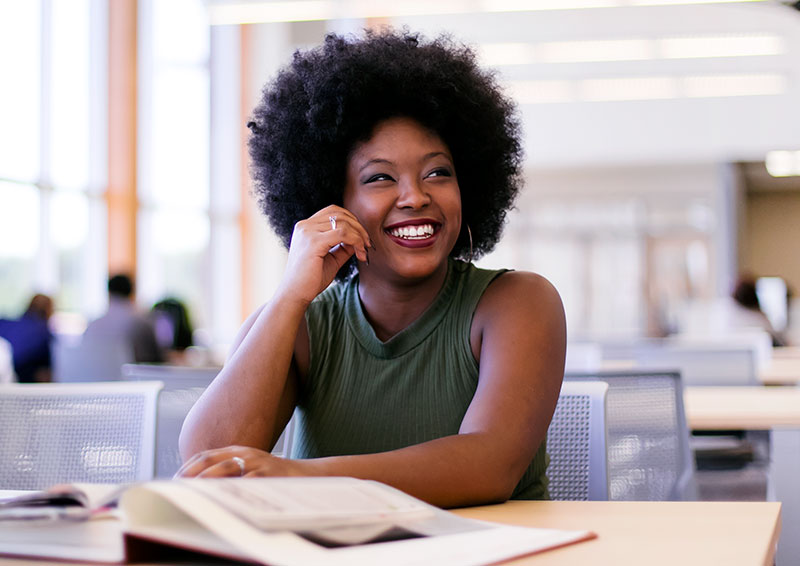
(123, 322)
(173, 328)
(747, 312)
(30, 340)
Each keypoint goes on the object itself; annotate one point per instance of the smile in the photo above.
(420, 232)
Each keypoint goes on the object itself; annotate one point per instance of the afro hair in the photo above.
(330, 98)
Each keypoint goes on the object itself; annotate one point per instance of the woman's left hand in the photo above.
(237, 461)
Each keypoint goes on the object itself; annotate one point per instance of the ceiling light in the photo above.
(541, 92)
(704, 86)
(497, 54)
(537, 5)
(593, 51)
(260, 12)
(221, 12)
(637, 88)
(721, 46)
(680, 2)
(783, 163)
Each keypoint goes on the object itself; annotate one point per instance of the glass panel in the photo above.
(179, 144)
(19, 242)
(69, 100)
(20, 33)
(616, 287)
(69, 231)
(181, 31)
(562, 261)
(174, 246)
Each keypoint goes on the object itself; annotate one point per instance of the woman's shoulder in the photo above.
(515, 293)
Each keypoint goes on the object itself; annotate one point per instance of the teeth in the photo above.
(421, 232)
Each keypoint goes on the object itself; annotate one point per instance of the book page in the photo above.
(299, 504)
(60, 502)
(184, 513)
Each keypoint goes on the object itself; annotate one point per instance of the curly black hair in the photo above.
(330, 98)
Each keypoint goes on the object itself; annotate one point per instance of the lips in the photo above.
(414, 233)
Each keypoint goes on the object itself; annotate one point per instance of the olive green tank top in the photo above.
(363, 396)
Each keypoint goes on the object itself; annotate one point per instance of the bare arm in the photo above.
(520, 335)
(252, 398)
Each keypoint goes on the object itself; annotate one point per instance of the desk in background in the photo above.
(783, 370)
(776, 409)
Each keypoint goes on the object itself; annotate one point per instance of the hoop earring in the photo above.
(469, 233)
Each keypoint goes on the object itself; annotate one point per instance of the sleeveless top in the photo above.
(363, 396)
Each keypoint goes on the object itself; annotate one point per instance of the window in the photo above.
(173, 224)
(52, 155)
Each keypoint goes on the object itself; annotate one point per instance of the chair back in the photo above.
(183, 386)
(89, 360)
(703, 364)
(576, 443)
(649, 458)
(61, 433)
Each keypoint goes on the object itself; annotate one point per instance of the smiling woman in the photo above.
(383, 163)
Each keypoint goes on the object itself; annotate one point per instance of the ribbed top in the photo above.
(364, 396)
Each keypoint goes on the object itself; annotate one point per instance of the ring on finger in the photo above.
(333, 221)
(239, 462)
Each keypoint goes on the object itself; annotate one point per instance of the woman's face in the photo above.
(401, 185)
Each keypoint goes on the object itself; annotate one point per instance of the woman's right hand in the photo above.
(317, 252)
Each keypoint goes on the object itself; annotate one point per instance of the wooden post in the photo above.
(121, 193)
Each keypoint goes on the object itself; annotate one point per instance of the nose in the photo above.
(412, 195)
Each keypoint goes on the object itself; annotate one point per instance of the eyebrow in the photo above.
(388, 162)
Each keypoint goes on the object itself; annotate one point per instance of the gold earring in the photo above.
(469, 233)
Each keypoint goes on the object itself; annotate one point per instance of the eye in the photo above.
(378, 177)
(440, 172)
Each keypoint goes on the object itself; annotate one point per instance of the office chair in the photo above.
(576, 443)
(649, 458)
(703, 364)
(182, 388)
(54, 433)
(78, 360)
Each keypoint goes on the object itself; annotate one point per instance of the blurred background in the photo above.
(662, 142)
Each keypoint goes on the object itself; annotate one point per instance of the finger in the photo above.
(346, 239)
(345, 216)
(225, 469)
(202, 460)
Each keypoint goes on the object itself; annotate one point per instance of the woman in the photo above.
(379, 161)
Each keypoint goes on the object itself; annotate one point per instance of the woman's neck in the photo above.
(390, 307)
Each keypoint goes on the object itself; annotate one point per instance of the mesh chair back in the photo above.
(649, 458)
(89, 360)
(182, 388)
(703, 365)
(576, 443)
(57, 433)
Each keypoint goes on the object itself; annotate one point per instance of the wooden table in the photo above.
(776, 409)
(781, 371)
(636, 533)
(742, 408)
(652, 533)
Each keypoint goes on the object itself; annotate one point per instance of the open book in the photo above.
(275, 521)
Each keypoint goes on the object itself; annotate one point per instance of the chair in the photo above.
(92, 360)
(576, 443)
(649, 457)
(58, 433)
(703, 364)
(182, 388)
